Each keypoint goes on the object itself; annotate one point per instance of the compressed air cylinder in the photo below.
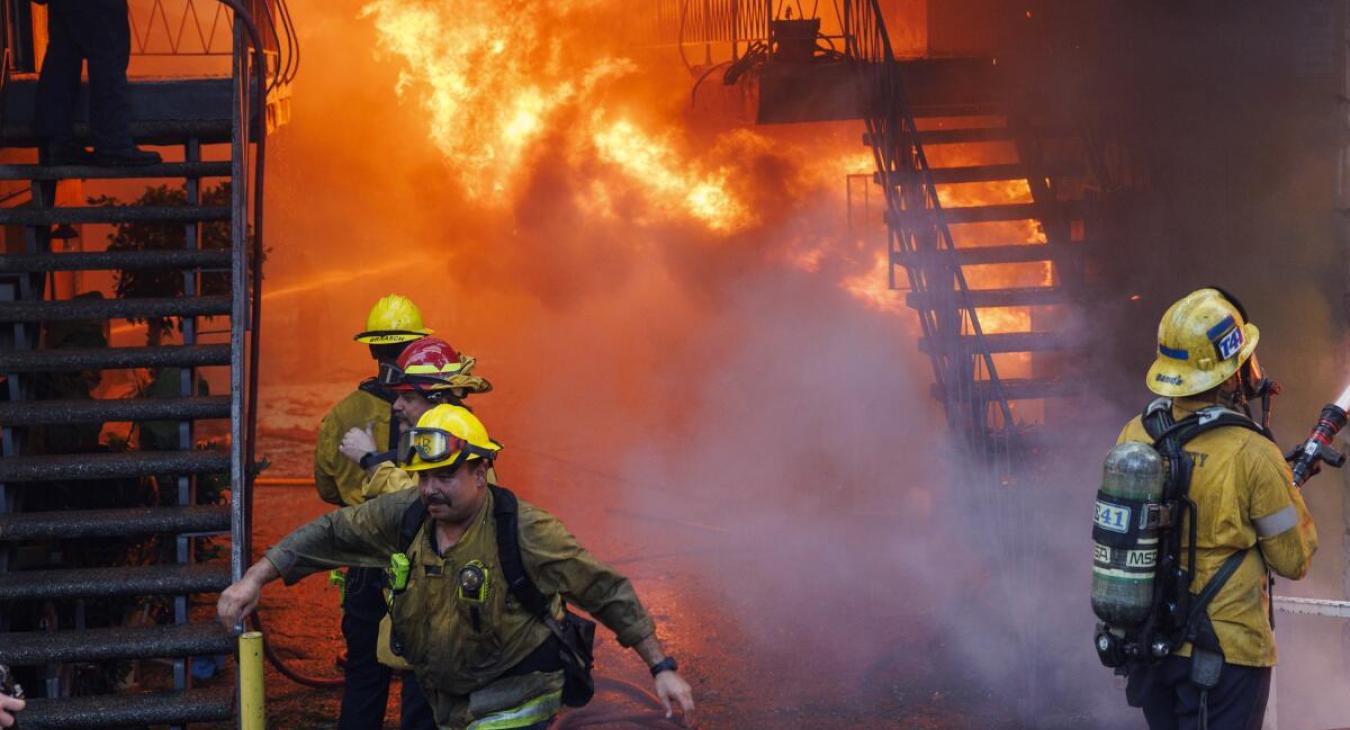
(1125, 534)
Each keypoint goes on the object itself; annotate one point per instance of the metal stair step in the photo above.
(25, 263)
(50, 412)
(1009, 342)
(37, 361)
(140, 580)
(1031, 296)
(31, 648)
(76, 524)
(79, 309)
(985, 173)
(152, 708)
(94, 172)
(46, 468)
(965, 135)
(1005, 254)
(985, 214)
(113, 214)
(1025, 388)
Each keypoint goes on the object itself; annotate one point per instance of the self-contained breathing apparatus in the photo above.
(1142, 567)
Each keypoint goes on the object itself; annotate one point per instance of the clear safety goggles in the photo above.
(435, 445)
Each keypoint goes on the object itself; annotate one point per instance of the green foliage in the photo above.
(161, 236)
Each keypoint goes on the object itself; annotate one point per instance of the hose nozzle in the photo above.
(1316, 450)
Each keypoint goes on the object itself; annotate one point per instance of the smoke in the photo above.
(696, 365)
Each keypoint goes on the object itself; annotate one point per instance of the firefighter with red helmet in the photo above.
(428, 372)
(393, 324)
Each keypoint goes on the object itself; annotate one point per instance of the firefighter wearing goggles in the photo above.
(1244, 498)
(428, 372)
(483, 659)
(394, 323)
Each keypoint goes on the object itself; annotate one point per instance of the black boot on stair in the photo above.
(126, 157)
(68, 152)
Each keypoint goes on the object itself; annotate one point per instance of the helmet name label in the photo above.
(1169, 379)
(1114, 518)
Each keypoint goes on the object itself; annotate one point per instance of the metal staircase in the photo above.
(46, 478)
(998, 348)
(927, 250)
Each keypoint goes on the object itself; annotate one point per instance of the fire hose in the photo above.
(287, 672)
(588, 717)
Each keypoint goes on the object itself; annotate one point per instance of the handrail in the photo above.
(246, 276)
(889, 121)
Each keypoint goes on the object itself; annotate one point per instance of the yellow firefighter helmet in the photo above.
(1202, 341)
(392, 320)
(446, 435)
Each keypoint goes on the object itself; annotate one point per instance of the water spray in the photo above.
(1311, 454)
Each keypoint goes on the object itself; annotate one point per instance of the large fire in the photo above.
(505, 85)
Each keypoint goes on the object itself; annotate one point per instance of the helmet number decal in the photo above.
(1230, 343)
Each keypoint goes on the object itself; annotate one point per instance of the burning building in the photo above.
(818, 319)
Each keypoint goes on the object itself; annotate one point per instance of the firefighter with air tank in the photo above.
(1197, 507)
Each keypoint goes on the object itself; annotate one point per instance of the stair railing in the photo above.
(946, 310)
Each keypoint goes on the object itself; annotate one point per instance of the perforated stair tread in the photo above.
(82, 309)
(109, 260)
(152, 708)
(113, 465)
(74, 524)
(52, 412)
(30, 648)
(103, 172)
(116, 581)
(113, 214)
(107, 358)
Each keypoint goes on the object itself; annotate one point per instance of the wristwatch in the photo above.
(667, 664)
(370, 459)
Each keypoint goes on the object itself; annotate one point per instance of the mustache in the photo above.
(437, 499)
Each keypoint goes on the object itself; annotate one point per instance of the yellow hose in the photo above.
(252, 709)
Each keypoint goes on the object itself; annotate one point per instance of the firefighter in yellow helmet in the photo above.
(393, 324)
(428, 372)
(1248, 520)
(481, 584)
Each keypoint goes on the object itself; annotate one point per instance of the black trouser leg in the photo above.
(366, 691)
(58, 87)
(102, 32)
(414, 710)
(1237, 702)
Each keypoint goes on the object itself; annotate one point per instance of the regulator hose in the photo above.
(287, 672)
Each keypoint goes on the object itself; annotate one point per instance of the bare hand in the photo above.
(9, 706)
(357, 443)
(670, 688)
(238, 601)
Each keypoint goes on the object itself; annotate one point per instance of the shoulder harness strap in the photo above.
(413, 517)
(505, 512)
(372, 386)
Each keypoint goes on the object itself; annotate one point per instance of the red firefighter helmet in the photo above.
(426, 364)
